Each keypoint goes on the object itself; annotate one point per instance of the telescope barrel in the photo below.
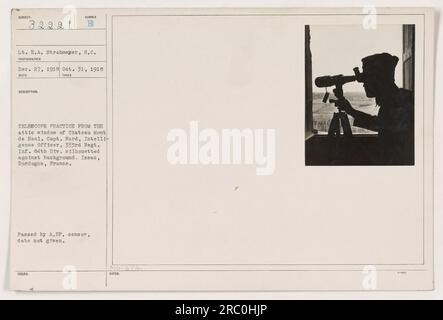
(329, 81)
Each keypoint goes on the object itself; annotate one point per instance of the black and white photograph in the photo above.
(239, 153)
(359, 94)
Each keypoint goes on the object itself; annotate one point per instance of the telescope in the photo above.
(329, 81)
(338, 80)
(340, 118)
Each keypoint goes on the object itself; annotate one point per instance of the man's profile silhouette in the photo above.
(395, 120)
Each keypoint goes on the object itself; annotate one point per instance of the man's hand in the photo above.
(343, 105)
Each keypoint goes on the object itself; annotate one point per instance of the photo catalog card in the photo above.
(222, 149)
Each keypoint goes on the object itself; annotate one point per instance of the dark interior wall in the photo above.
(408, 56)
(308, 84)
(358, 150)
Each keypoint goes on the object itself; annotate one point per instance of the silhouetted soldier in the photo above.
(395, 120)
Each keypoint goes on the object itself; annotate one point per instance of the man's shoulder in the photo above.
(405, 97)
(405, 93)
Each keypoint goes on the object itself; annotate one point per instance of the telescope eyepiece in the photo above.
(358, 75)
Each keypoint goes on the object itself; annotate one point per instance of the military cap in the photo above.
(380, 63)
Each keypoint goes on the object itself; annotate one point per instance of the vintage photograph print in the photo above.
(359, 94)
